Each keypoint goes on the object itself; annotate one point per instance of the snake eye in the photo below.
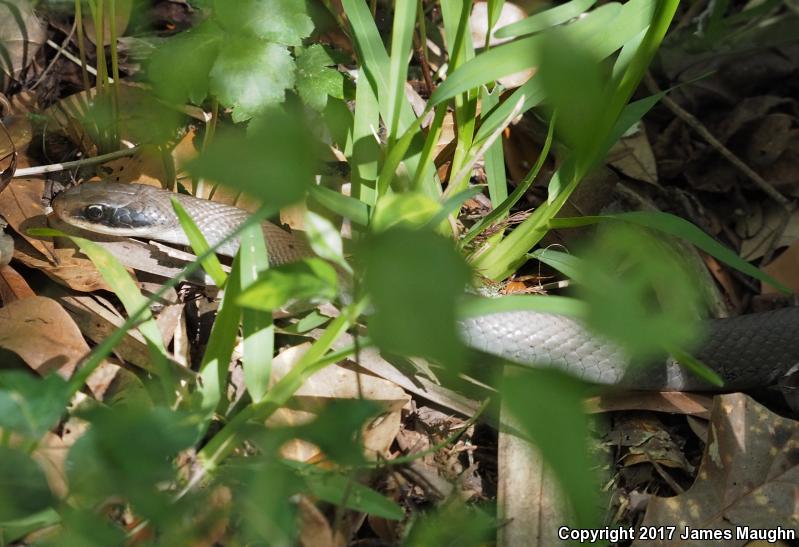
(94, 212)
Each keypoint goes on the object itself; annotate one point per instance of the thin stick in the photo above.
(59, 51)
(54, 167)
(699, 127)
(71, 57)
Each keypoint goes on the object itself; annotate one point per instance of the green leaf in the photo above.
(257, 330)
(30, 405)
(315, 81)
(274, 161)
(679, 227)
(308, 279)
(280, 21)
(639, 292)
(548, 407)
(325, 239)
(494, 156)
(221, 342)
(349, 208)
(199, 244)
(251, 75)
(545, 19)
(454, 523)
(345, 492)
(401, 38)
(23, 485)
(194, 51)
(414, 278)
(410, 209)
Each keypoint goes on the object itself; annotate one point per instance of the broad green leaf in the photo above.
(679, 227)
(409, 209)
(199, 244)
(30, 405)
(365, 144)
(561, 305)
(548, 407)
(251, 75)
(567, 264)
(453, 523)
(274, 161)
(280, 21)
(345, 492)
(639, 292)
(309, 279)
(194, 51)
(257, 330)
(414, 279)
(315, 80)
(23, 485)
(545, 19)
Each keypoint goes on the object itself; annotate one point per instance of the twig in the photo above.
(697, 126)
(74, 59)
(54, 167)
(59, 51)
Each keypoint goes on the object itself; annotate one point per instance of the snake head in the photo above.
(109, 208)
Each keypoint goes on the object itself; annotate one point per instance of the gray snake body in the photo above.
(749, 351)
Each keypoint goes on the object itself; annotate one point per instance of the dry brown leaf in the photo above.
(336, 382)
(71, 268)
(21, 206)
(691, 404)
(633, 156)
(13, 286)
(43, 334)
(785, 269)
(748, 479)
(122, 9)
(21, 36)
(763, 230)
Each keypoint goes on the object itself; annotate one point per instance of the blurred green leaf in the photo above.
(349, 208)
(251, 75)
(545, 19)
(274, 161)
(547, 405)
(639, 292)
(194, 51)
(678, 227)
(409, 209)
(414, 279)
(325, 239)
(315, 80)
(281, 21)
(30, 405)
(344, 492)
(128, 452)
(23, 485)
(308, 279)
(455, 523)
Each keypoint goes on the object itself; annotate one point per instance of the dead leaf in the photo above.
(13, 286)
(43, 334)
(71, 268)
(748, 478)
(21, 206)
(673, 402)
(762, 232)
(785, 269)
(21, 36)
(122, 9)
(633, 156)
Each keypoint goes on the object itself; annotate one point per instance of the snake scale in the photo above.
(749, 351)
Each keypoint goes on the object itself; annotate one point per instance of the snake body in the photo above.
(749, 351)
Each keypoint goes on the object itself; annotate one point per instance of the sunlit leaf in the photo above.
(280, 21)
(308, 279)
(251, 75)
(315, 80)
(414, 278)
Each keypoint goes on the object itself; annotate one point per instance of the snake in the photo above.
(747, 352)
